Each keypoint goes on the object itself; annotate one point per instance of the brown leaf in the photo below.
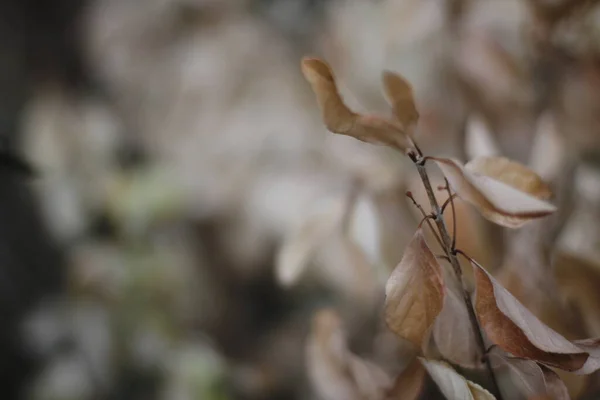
(414, 292)
(497, 201)
(340, 119)
(334, 371)
(452, 330)
(409, 384)
(400, 95)
(452, 385)
(512, 173)
(516, 330)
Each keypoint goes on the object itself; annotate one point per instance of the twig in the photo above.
(428, 218)
(450, 251)
(451, 197)
(447, 202)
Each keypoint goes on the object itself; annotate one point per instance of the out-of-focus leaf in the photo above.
(497, 201)
(479, 140)
(578, 280)
(340, 119)
(452, 385)
(400, 95)
(409, 383)
(414, 292)
(335, 372)
(549, 148)
(303, 242)
(516, 330)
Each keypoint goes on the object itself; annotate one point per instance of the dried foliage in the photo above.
(414, 293)
(206, 215)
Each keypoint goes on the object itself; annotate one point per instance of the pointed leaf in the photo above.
(414, 292)
(340, 119)
(452, 385)
(497, 201)
(400, 95)
(334, 371)
(516, 330)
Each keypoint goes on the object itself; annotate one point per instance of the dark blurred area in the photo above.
(170, 202)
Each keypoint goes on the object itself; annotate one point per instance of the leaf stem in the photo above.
(448, 246)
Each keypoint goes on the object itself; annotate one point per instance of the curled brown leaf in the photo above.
(414, 292)
(512, 327)
(400, 95)
(338, 118)
(499, 202)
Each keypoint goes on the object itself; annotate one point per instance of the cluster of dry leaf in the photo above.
(428, 303)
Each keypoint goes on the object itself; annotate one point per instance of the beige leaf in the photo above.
(334, 371)
(452, 385)
(414, 292)
(516, 330)
(302, 243)
(340, 119)
(479, 140)
(511, 173)
(409, 384)
(497, 201)
(452, 330)
(400, 95)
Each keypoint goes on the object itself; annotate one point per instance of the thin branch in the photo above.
(428, 218)
(449, 250)
(447, 202)
(451, 197)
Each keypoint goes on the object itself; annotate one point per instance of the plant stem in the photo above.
(451, 253)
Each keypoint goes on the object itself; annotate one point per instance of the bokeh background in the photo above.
(189, 213)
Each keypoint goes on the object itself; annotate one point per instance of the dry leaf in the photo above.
(579, 280)
(340, 119)
(301, 245)
(511, 173)
(409, 384)
(452, 330)
(334, 371)
(452, 385)
(479, 140)
(497, 201)
(549, 149)
(516, 330)
(400, 95)
(414, 292)
(554, 385)
(531, 378)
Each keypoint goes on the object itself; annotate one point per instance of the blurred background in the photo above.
(182, 213)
